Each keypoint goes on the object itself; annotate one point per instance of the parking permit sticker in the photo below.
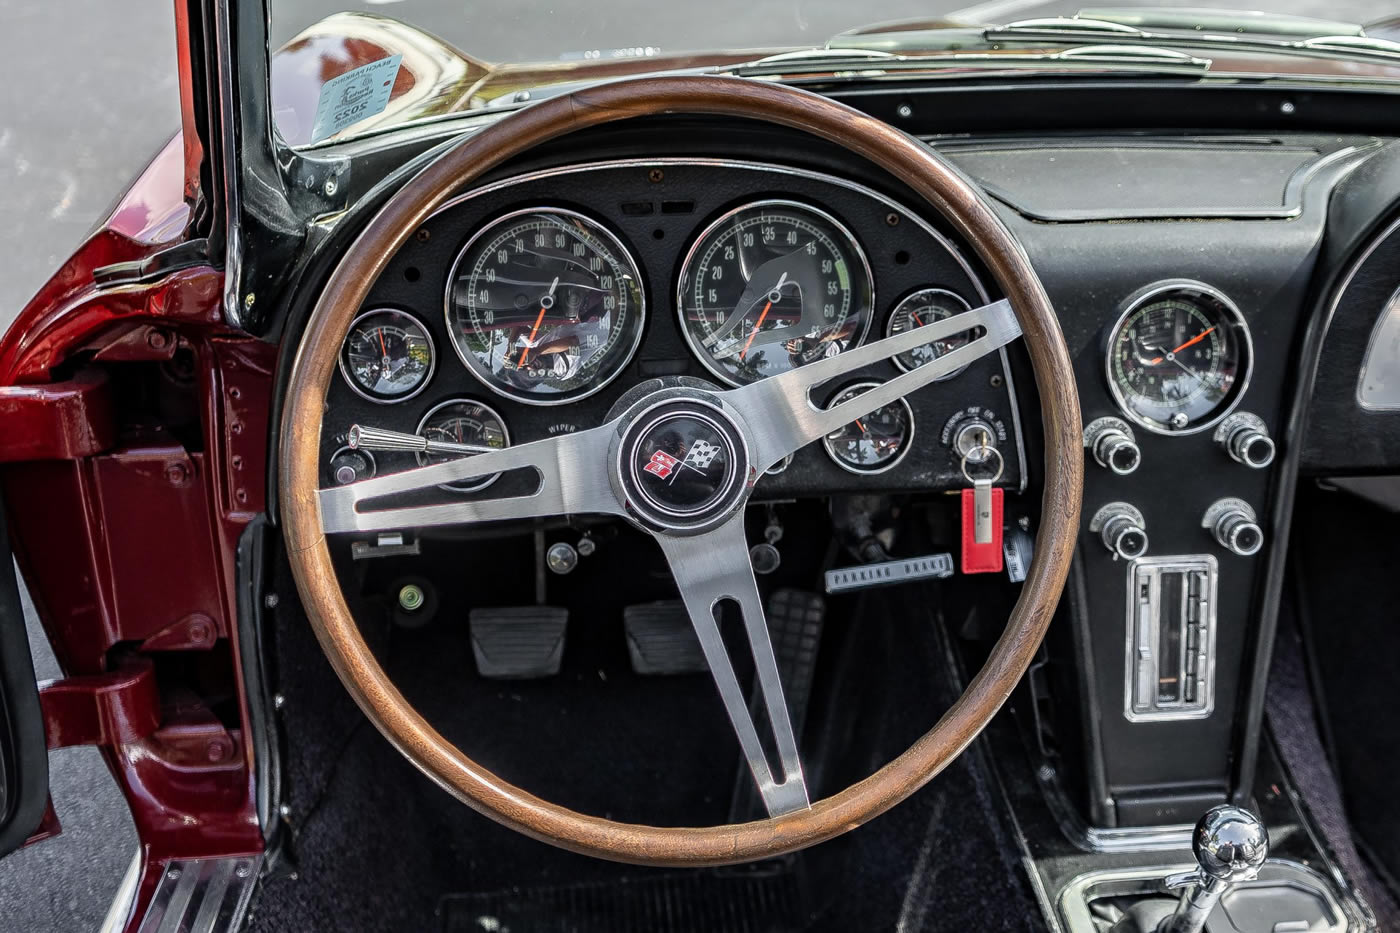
(353, 96)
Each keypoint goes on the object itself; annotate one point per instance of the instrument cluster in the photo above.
(545, 303)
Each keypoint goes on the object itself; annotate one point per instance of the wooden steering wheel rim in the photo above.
(948, 192)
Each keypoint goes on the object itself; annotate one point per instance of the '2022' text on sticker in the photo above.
(349, 98)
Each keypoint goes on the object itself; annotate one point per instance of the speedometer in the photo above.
(771, 286)
(1179, 357)
(545, 306)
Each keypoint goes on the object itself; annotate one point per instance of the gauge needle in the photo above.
(1171, 355)
(754, 333)
(861, 426)
(1194, 340)
(545, 304)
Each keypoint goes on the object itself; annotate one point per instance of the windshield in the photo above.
(344, 71)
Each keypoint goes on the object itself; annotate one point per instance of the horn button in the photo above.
(683, 465)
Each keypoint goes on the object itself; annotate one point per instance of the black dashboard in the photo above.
(653, 213)
(1227, 260)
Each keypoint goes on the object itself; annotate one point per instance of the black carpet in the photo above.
(1345, 556)
(693, 902)
(1293, 721)
(374, 845)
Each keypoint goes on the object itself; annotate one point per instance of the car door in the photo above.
(24, 762)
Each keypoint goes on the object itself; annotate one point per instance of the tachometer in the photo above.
(1179, 357)
(387, 356)
(771, 286)
(545, 306)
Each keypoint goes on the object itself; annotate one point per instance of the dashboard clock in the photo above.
(1179, 357)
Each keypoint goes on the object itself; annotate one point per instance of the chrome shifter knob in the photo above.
(1230, 845)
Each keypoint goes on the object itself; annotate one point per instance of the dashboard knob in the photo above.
(349, 465)
(1233, 525)
(1246, 440)
(1250, 447)
(1113, 446)
(1122, 529)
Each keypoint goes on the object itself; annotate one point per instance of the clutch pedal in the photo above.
(518, 642)
(661, 640)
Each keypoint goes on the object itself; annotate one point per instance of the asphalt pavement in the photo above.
(89, 94)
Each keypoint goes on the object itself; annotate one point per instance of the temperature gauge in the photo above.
(463, 421)
(872, 443)
(920, 309)
(387, 357)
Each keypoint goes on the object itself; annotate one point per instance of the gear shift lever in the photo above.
(1230, 845)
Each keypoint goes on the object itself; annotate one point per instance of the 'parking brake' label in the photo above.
(354, 96)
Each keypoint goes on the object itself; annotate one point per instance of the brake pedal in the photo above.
(518, 642)
(661, 640)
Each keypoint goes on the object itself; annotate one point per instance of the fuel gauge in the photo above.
(387, 356)
(463, 421)
(872, 443)
(920, 309)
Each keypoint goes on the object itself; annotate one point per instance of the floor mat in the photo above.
(679, 903)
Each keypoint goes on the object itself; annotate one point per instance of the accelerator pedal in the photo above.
(518, 642)
(795, 619)
(661, 640)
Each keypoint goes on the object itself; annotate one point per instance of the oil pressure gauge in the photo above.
(387, 356)
(872, 443)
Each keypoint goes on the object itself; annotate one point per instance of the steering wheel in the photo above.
(738, 433)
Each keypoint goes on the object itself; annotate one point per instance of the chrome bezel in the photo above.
(473, 365)
(423, 421)
(350, 380)
(953, 251)
(698, 352)
(1152, 292)
(894, 312)
(904, 448)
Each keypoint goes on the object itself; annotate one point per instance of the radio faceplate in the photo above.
(1169, 669)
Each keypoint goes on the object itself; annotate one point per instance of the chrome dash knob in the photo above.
(1246, 440)
(1234, 526)
(1122, 529)
(1111, 443)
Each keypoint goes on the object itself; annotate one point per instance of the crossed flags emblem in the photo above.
(698, 458)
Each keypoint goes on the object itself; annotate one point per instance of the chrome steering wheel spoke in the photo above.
(782, 418)
(571, 470)
(710, 569)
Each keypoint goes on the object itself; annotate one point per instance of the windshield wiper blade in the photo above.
(1063, 27)
(1361, 44)
(856, 63)
(1070, 28)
